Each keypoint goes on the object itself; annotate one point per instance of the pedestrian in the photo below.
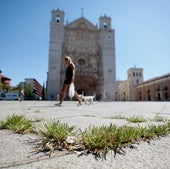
(21, 95)
(69, 78)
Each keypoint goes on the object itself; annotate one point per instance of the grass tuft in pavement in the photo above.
(95, 140)
(17, 124)
(55, 135)
(136, 119)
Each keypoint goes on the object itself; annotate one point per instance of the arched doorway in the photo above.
(86, 84)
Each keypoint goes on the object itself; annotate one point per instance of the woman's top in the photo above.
(69, 74)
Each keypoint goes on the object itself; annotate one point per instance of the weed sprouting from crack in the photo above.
(93, 140)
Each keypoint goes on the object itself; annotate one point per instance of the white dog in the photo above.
(88, 99)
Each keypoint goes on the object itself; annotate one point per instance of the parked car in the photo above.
(9, 96)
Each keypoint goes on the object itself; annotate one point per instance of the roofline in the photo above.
(154, 79)
(67, 25)
(4, 77)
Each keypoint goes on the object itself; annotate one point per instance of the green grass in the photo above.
(88, 115)
(96, 140)
(55, 134)
(116, 117)
(17, 124)
(101, 139)
(119, 117)
(136, 119)
(158, 118)
(37, 111)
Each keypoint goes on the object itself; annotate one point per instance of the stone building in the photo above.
(156, 89)
(92, 50)
(126, 89)
(36, 87)
(135, 89)
(4, 80)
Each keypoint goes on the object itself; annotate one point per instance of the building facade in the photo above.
(126, 89)
(36, 87)
(4, 80)
(156, 89)
(135, 89)
(92, 50)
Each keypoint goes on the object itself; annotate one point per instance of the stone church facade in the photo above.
(92, 49)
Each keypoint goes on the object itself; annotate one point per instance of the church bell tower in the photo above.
(55, 53)
(107, 45)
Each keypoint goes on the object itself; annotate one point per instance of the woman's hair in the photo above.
(68, 58)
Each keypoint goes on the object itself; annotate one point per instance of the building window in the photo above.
(158, 96)
(165, 88)
(133, 74)
(81, 67)
(57, 19)
(149, 97)
(136, 74)
(158, 88)
(148, 90)
(140, 95)
(105, 25)
(166, 96)
(81, 62)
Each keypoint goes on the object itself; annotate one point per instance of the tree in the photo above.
(4, 87)
(43, 92)
(28, 90)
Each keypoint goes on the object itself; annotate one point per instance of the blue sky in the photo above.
(142, 34)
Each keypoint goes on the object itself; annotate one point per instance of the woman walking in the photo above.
(69, 78)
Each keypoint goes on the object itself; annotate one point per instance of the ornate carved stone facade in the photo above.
(92, 50)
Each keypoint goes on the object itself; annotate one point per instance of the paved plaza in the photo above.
(16, 150)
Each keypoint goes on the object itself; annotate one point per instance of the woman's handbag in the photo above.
(71, 90)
